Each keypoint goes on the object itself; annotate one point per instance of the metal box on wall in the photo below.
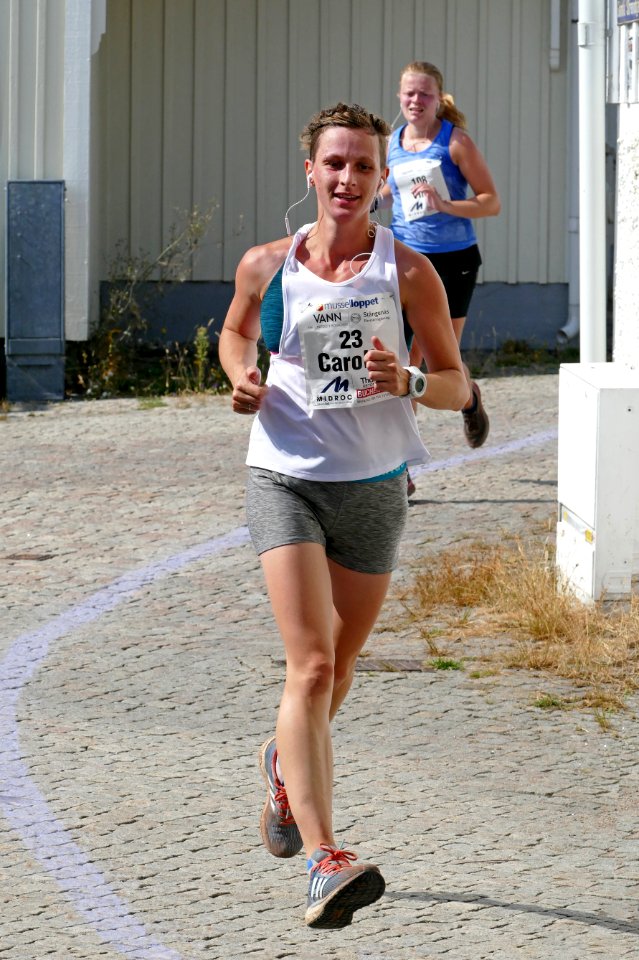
(35, 290)
(598, 479)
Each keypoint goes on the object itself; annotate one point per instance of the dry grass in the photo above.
(509, 593)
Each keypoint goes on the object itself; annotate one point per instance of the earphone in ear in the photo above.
(381, 183)
(309, 184)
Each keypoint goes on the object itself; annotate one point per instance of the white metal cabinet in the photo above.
(598, 474)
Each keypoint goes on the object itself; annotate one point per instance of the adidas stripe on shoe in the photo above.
(337, 888)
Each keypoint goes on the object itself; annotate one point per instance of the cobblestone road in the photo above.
(140, 670)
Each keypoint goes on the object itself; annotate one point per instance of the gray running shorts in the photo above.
(359, 524)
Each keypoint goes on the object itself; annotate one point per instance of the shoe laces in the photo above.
(336, 860)
(281, 798)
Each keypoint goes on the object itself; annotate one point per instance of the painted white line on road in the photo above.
(485, 453)
(22, 803)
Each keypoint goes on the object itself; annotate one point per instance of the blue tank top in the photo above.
(439, 232)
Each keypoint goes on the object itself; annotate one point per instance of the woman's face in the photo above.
(346, 170)
(418, 97)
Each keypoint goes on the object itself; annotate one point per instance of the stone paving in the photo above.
(140, 670)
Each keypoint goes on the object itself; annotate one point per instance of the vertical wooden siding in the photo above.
(202, 101)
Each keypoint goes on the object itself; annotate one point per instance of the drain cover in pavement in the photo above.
(390, 665)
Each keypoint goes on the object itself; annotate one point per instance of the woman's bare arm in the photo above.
(241, 331)
(426, 308)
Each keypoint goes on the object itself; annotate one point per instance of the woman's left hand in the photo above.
(385, 370)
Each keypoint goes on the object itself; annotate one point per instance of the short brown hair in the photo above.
(345, 115)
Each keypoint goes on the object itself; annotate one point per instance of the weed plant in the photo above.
(514, 357)
(511, 594)
(118, 360)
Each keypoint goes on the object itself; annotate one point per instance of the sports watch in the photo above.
(416, 382)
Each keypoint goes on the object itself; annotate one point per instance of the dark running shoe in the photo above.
(336, 888)
(476, 424)
(279, 830)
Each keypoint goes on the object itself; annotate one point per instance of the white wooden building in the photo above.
(147, 108)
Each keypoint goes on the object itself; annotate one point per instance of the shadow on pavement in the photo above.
(560, 913)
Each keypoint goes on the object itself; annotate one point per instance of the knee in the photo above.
(312, 678)
(344, 670)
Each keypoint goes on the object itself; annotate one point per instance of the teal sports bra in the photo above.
(272, 313)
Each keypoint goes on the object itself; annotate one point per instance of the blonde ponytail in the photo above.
(448, 111)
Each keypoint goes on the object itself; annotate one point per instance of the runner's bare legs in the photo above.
(324, 613)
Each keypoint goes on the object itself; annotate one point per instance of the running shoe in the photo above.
(476, 424)
(336, 888)
(279, 830)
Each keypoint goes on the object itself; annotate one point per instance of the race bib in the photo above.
(334, 338)
(407, 175)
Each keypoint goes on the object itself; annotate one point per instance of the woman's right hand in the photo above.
(241, 330)
(248, 393)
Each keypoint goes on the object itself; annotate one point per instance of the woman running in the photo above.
(333, 433)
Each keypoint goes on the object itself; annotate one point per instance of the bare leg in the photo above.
(357, 600)
(299, 587)
(321, 643)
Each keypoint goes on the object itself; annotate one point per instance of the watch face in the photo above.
(417, 382)
(417, 385)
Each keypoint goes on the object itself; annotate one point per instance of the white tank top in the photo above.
(320, 420)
